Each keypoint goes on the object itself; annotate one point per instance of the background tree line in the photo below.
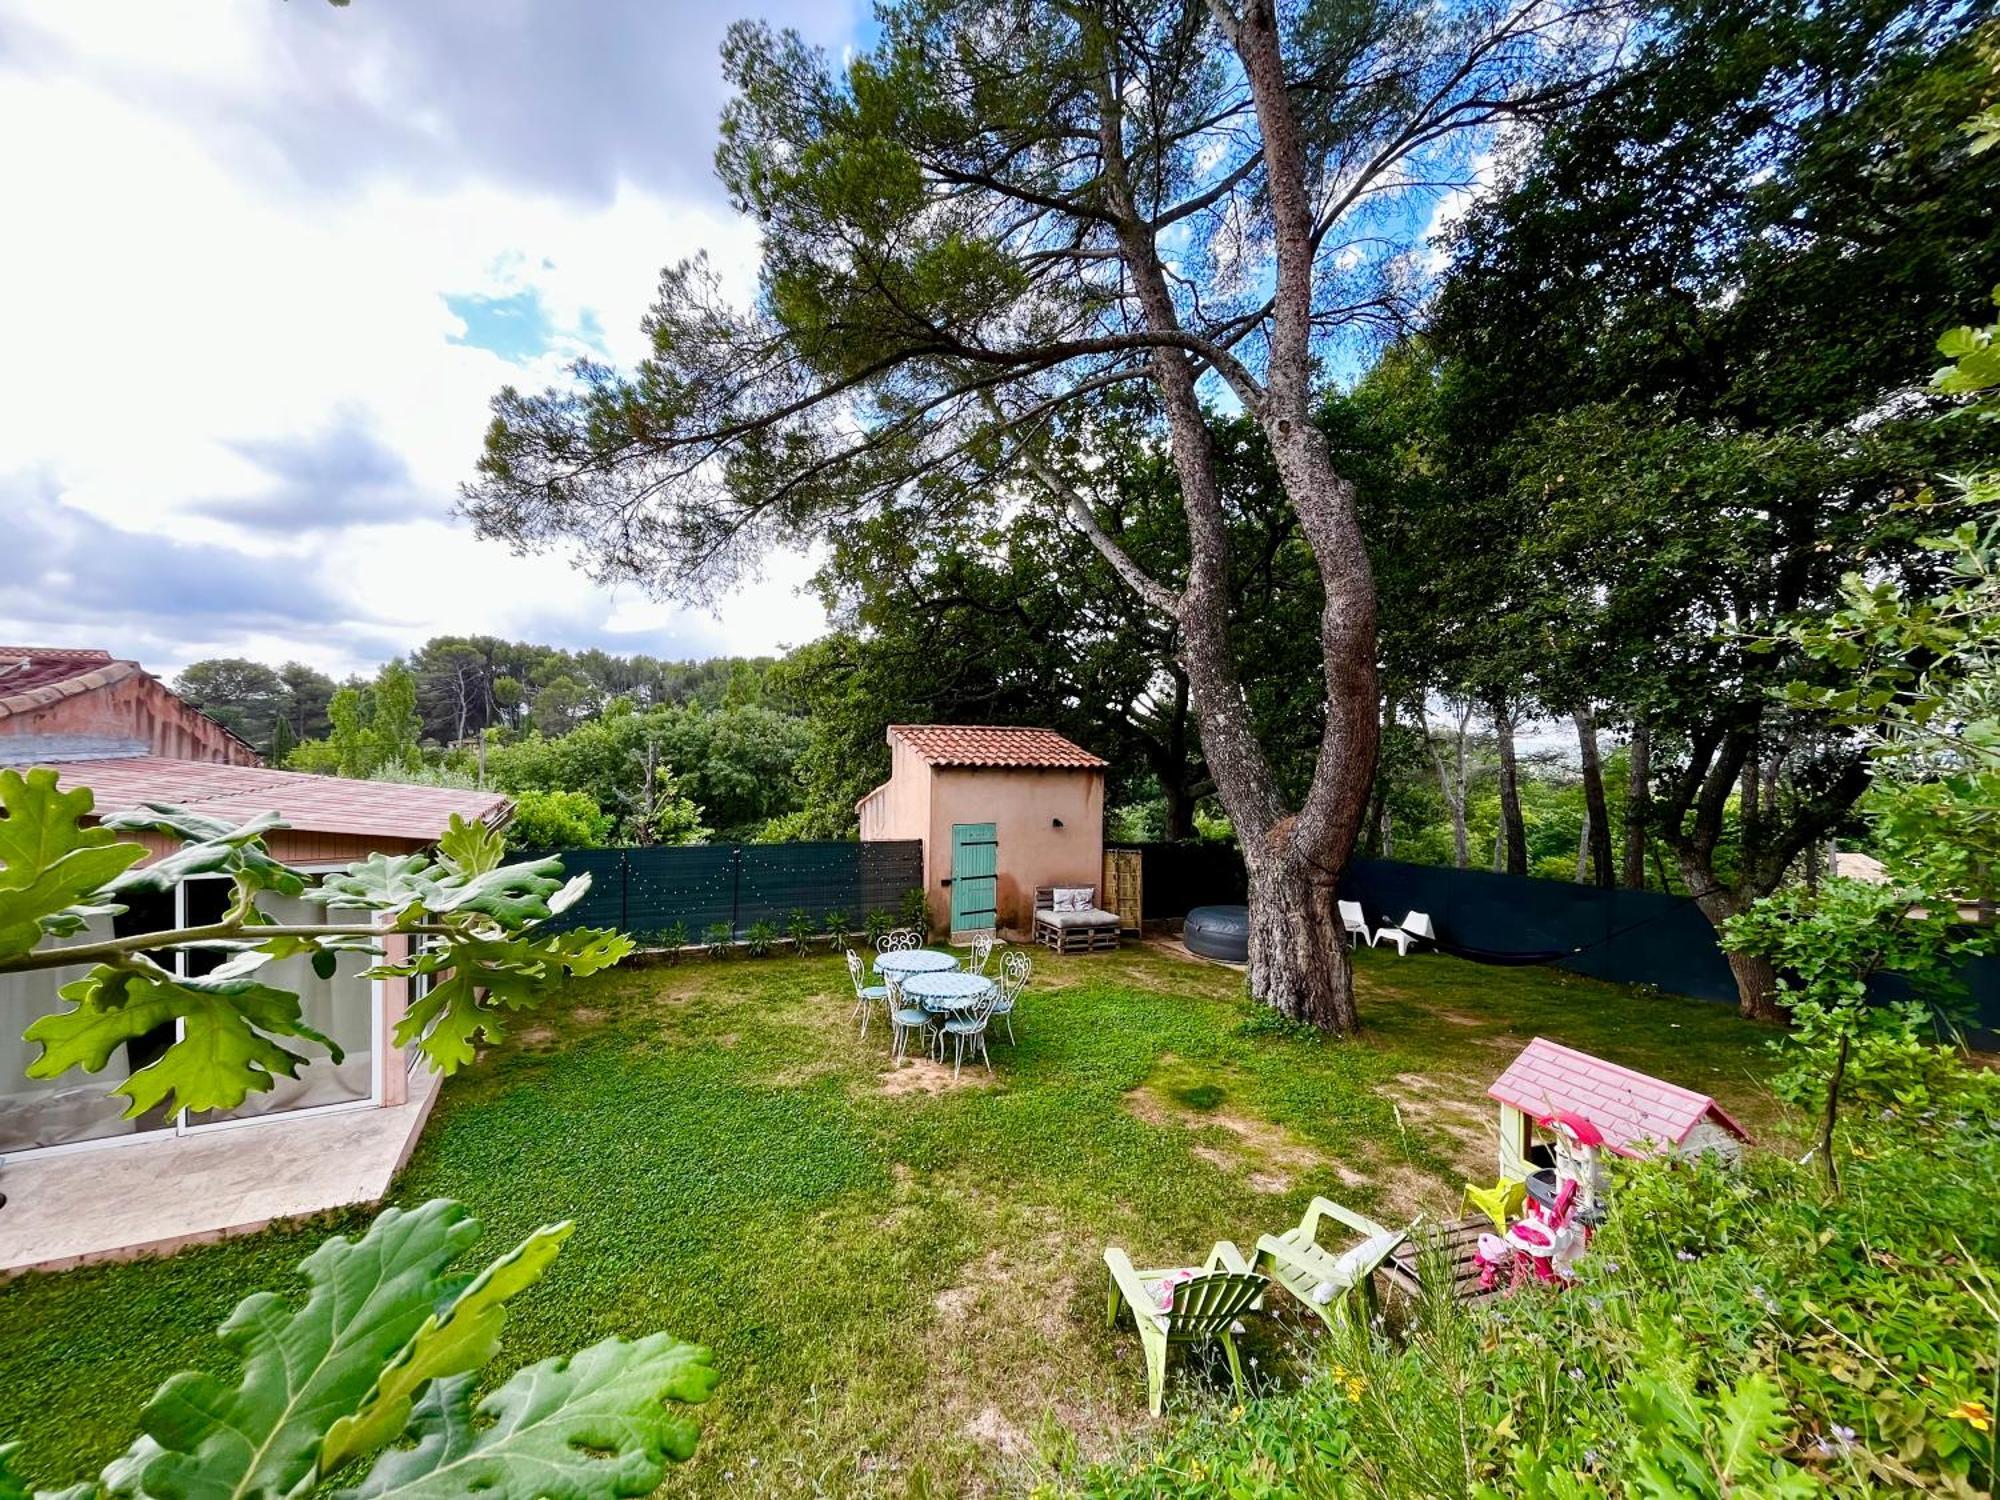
(1664, 387)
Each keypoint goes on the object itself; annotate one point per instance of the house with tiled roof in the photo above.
(1637, 1115)
(1001, 809)
(65, 703)
(107, 724)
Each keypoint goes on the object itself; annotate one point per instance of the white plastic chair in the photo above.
(1415, 926)
(1353, 922)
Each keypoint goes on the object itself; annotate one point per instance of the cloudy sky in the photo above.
(263, 264)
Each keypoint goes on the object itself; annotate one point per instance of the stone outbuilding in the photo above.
(1000, 809)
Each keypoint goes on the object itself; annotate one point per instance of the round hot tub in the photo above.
(1219, 932)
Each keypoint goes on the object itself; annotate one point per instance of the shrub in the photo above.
(836, 927)
(911, 911)
(877, 925)
(673, 937)
(719, 939)
(759, 938)
(799, 928)
(557, 820)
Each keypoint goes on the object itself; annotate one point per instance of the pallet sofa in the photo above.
(1073, 929)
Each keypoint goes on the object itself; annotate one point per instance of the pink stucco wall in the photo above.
(1023, 805)
(921, 801)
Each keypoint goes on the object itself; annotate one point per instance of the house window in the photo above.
(79, 1108)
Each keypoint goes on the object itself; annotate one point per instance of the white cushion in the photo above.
(1090, 916)
(1073, 897)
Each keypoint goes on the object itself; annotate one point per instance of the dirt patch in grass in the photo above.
(920, 1075)
(1270, 1158)
(538, 1037)
(589, 1015)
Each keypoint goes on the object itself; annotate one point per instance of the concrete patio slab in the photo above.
(125, 1201)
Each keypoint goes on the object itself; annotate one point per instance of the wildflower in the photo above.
(1974, 1413)
(1236, 1413)
(1611, 1268)
(1684, 1255)
(1355, 1386)
(1575, 1373)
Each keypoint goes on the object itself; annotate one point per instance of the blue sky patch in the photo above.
(515, 327)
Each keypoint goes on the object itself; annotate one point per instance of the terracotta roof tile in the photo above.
(322, 804)
(34, 676)
(1629, 1108)
(991, 745)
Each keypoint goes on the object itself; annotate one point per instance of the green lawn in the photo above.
(901, 1281)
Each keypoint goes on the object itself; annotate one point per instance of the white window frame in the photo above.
(181, 1126)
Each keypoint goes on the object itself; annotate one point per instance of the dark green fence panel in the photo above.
(646, 891)
(1628, 937)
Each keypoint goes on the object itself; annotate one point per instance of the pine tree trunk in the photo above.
(1298, 957)
(1376, 825)
(1597, 825)
(1513, 831)
(1638, 806)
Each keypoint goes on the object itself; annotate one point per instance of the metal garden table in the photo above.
(902, 964)
(941, 991)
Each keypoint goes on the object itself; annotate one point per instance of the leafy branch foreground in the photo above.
(389, 1345)
(476, 927)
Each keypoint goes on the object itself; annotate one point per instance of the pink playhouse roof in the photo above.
(1630, 1108)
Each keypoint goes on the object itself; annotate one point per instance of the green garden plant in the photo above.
(719, 938)
(912, 912)
(373, 1380)
(799, 929)
(480, 923)
(877, 925)
(674, 937)
(760, 937)
(836, 927)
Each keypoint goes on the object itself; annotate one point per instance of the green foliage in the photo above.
(390, 1342)
(836, 926)
(800, 929)
(760, 937)
(673, 937)
(719, 938)
(557, 820)
(49, 862)
(913, 912)
(1733, 1333)
(877, 925)
(479, 917)
(785, 1151)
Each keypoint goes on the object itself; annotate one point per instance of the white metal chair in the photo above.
(1353, 923)
(901, 940)
(1413, 928)
(1014, 971)
(982, 951)
(906, 1018)
(866, 995)
(968, 1028)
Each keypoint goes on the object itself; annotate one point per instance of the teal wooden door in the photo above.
(975, 877)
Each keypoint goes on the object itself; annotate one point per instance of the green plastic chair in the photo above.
(1205, 1306)
(1320, 1278)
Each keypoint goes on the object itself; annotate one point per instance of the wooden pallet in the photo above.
(1460, 1242)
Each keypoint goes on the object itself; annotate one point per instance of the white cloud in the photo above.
(177, 317)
